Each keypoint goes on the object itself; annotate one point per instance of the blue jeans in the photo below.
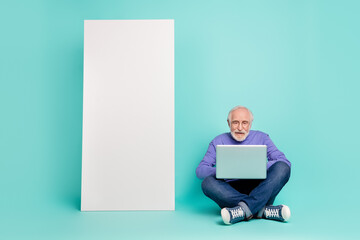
(256, 193)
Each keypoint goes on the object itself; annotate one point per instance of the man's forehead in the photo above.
(240, 113)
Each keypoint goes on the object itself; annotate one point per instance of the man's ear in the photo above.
(228, 122)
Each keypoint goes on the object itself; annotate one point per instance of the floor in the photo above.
(199, 220)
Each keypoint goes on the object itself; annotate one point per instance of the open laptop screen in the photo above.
(241, 161)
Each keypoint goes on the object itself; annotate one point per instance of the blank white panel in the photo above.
(128, 115)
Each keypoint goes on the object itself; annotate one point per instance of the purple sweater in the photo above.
(207, 165)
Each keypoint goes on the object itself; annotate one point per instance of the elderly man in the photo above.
(243, 199)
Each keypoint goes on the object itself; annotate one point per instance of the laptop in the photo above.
(241, 161)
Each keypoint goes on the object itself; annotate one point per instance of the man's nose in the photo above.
(240, 127)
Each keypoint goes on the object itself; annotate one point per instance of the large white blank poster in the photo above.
(128, 115)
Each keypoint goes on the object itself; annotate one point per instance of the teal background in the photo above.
(295, 64)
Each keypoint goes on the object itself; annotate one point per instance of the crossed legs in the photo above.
(256, 194)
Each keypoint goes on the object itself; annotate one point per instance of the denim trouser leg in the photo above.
(262, 192)
(221, 192)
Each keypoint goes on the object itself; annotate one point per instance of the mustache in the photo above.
(240, 132)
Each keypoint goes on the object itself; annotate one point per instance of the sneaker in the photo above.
(279, 213)
(232, 215)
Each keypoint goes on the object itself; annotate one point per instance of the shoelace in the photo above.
(272, 212)
(238, 212)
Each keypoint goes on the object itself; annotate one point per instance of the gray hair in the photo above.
(241, 107)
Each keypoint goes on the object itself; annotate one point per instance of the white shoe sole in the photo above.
(225, 216)
(285, 213)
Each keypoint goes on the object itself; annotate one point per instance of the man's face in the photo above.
(239, 124)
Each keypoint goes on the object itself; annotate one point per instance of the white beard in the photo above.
(239, 139)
